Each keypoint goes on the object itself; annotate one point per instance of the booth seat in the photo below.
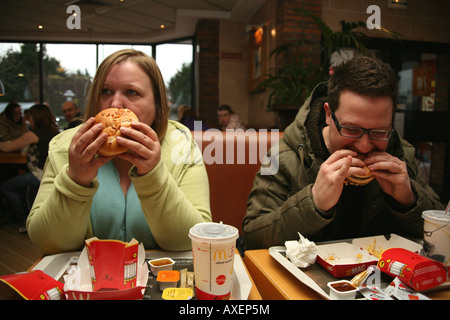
(232, 159)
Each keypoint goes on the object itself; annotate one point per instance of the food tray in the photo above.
(57, 264)
(316, 277)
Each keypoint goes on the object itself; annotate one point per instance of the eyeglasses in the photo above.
(355, 132)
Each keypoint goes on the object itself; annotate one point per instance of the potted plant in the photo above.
(291, 83)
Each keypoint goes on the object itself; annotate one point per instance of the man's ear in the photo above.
(328, 119)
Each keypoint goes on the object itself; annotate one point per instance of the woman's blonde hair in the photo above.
(149, 66)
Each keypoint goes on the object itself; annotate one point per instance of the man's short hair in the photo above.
(365, 76)
(225, 107)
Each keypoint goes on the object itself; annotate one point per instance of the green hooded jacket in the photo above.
(281, 205)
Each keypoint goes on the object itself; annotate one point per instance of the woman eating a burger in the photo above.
(127, 172)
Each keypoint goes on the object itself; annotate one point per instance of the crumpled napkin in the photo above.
(301, 253)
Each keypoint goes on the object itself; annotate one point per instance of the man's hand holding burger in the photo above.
(392, 176)
(333, 172)
(348, 167)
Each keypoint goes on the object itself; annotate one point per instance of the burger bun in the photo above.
(112, 119)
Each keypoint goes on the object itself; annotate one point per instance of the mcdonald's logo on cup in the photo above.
(221, 253)
(213, 249)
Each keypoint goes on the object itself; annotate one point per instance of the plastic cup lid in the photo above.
(436, 216)
(213, 232)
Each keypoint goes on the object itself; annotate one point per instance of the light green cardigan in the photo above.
(174, 196)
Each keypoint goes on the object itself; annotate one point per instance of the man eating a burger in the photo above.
(344, 171)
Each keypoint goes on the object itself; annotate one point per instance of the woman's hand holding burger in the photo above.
(124, 137)
(143, 145)
(129, 139)
(83, 160)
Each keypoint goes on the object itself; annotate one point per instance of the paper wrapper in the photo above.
(108, 270)
(301, 253)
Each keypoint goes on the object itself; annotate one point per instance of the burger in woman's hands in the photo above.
(112, 119)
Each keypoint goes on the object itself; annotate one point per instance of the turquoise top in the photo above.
(127, 220)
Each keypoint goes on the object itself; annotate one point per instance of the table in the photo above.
(13, 158)
(274, 282)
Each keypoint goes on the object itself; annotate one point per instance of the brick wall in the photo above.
(207, 42)
(293, 26)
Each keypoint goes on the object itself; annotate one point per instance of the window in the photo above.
(175, 62)
(69, 68)
(19, 73)
(104, 50)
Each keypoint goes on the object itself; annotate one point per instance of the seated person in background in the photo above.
(187, 117)
(12, 125)
(72, 114)
(26, 117)
(155, 192)
(344, 126)
(21, 190)
(228, 119)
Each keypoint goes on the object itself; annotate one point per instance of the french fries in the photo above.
(376, 252)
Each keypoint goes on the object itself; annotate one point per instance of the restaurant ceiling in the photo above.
(114, 21)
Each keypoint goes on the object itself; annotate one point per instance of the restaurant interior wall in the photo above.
(283, 24)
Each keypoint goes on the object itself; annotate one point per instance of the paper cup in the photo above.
(436, 236)
(213, 248)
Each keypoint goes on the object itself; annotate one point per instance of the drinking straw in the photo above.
(448, 208)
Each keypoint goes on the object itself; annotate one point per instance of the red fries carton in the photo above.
(108, 270)
(344, 259)
(418, 272)
(35, 285)
(113, 264)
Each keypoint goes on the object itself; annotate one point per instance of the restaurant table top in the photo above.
(13, 158)
(274, 282)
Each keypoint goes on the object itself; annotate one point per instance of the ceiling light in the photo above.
(397, 4)
(40, 26)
